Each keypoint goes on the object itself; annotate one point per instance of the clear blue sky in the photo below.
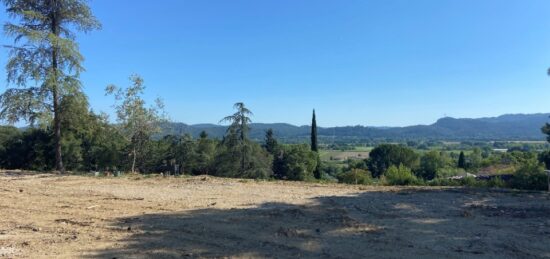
(385, 62)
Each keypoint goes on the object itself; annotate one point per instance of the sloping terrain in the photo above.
(50, 216)
(505, 127)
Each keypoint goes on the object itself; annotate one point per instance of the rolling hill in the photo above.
(505, 127)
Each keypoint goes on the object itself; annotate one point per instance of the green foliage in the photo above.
(295, 162)
(431, 164)
(270, 143)
(355, 176)
(136, 122)
(461, 160)
(544, 157)
(546, 130)
(237, 156)
(530, 176)
(400, 176)
(314, 143)
(450, 171)
(386, 155)
(496, 182)
(205, 152)
(44, 51)
(228, 161)
(473, 161)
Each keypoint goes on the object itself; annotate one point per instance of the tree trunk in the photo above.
(57, 129)
(134, 160)
(55, 94)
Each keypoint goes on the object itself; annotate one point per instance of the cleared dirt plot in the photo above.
(202, 217)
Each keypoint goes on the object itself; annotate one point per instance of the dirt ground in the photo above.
(49, 216)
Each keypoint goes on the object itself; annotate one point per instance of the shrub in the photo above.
(496, 182)
(355, 176)
(450, 171)
(400, 176)
(443, 182)
(530, 176)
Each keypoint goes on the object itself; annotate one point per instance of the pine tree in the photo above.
(240, 122)
(461, 160)
(45, 52)
(314, 145)
(270, 144)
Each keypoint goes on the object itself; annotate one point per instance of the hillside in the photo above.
(505, 127)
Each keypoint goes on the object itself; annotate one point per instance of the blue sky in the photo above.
(385, 62)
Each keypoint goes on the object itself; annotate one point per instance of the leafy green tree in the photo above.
(295, 162)
(205, 153)
(136, 122)
(355, 176)
(7, 135)
(400, 176)
(44, 51)
(186, 154)
(31, 150)
(474, 160)
(386, 155)
(461, 160)
(530, 176)
(90, 142)
(430, 164)
(270, 144)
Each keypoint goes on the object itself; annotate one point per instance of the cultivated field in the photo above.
(135, 217)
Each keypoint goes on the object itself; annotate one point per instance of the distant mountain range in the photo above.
(505, 127)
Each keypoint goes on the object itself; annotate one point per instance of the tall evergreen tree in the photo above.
(270, 144)
(314, 145)
(237, 155)
(44, 51)
(240, 122)
(462, 160)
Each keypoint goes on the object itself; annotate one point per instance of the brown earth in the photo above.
(50, 216)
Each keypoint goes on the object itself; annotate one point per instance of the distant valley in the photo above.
(506, 127)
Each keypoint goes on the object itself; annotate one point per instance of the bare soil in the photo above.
(52, 216)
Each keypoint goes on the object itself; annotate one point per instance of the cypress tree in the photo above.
(314, 146)
(461, 160)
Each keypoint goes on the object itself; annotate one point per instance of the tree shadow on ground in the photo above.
(453, 223)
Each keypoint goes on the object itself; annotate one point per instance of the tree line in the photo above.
(44, 68)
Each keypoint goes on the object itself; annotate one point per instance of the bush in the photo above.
(444, 182)
(355, 176)
(400, 176)
(530, 176)
(496, 182)
(450, 171)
